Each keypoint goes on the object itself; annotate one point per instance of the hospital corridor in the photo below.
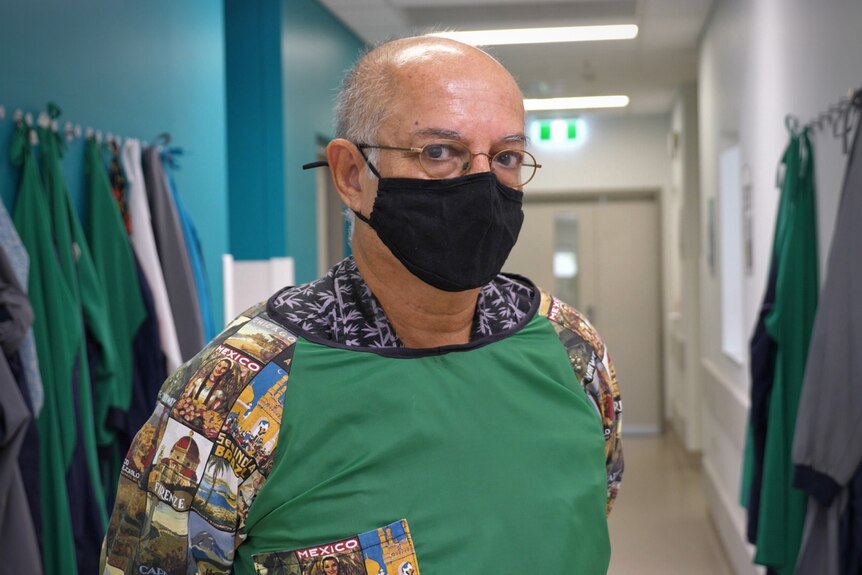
(369, 287)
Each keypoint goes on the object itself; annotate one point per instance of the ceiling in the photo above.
(648, 69)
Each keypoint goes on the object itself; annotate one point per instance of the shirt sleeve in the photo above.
(594, 369)
(194, 469)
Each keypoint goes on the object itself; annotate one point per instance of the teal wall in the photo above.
(255, 128)
(135, 69)
(316, 50)
(273, 202)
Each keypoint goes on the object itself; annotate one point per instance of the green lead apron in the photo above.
(58, 336)
(73, 256)
(782, 507)
(494, 456)
(113, 264)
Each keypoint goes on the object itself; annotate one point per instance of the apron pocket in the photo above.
(384, 551)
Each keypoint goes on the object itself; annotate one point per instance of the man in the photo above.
(437, 413)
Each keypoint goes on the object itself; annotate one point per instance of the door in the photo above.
(600, 254)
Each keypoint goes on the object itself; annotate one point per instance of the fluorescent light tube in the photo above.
(542, 35)
(578, 103)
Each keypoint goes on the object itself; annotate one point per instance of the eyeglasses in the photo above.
(442, 159)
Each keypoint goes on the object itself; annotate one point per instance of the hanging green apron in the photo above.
(112, 263)
(77, 266)
(58, 340)
(782, 507)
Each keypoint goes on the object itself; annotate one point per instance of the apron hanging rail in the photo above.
(48, 118)
(838, 117)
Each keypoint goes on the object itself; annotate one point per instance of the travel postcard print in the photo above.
(571, 318)
(389, 550)
(212, 389)
(216, 498)
(255, 418)
(127, 522)
(340, 557)
(175, 384)
(211, 548)
(384, 551)
(248, 490)
(261, 339)
(164, 547)
(178, 465)
(143, 448)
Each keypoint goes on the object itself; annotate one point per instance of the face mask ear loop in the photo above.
(367, 161)
(373, 171)
(363, 218)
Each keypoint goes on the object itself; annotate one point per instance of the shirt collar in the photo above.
(341, 308)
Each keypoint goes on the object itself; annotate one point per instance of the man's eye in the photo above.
(439, 152)
(509, 159)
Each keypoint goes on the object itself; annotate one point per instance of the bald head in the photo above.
(385, 79)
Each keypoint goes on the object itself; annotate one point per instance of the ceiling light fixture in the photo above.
(542, 35)
(577, 103)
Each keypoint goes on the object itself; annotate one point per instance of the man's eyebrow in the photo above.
(518, 138)
(455, 135)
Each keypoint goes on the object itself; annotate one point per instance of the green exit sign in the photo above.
(558, 130)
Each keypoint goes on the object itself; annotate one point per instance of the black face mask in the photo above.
(453, 234)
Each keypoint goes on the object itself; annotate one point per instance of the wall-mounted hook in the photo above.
(847, 125)
(69, 131)
(53, 110)
(837, 113)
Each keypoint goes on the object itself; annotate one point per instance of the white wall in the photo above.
(682, 224)
(611, 153)
(760, 60)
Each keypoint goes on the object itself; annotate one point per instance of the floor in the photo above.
(659, 524)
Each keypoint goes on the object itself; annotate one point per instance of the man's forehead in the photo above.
(445, 89)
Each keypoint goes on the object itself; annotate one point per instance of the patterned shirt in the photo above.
(195, 469)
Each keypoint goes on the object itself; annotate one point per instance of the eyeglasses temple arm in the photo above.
(318, 164)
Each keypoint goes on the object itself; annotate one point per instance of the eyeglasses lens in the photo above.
(449, 159)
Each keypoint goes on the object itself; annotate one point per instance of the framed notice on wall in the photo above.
(747, 242)
(710, 236)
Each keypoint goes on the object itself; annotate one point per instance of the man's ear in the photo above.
(346, 165)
